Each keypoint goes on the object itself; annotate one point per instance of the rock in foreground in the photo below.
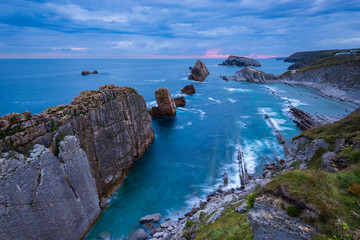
(166, 105)
(199, 71)
(151, 218)
(180, 101)
(188, 90)
(240, 62)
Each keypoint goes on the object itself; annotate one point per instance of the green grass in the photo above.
(315, 161)
(231, 225)
(250, 200)
(326, 192)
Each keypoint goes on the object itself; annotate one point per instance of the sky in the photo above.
(175, 28)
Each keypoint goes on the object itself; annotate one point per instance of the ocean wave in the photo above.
(292, 101)
(151, 104)
(183, 126)
(242, 90)
(214, 100)
(194, 110)
(155, 80)
(241, 124)
(232, 100)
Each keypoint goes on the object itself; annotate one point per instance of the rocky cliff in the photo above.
(199, 71)
(251, 75)
(240, 62)
(301, 56)
(57, 166)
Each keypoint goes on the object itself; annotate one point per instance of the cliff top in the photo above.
(300, 56)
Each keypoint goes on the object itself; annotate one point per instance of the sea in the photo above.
(192, 151)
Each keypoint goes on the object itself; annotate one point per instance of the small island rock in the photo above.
(199, 71)
(180, 101)
(240, 62)
(188, 90)
(151, 218)
(166, 105)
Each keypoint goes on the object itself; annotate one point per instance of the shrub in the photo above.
(189, 223)
(250, 200)
(293, 211)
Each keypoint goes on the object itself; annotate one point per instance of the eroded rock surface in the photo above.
(180, 101)
(251, 75)
(166, 105)
(240, 62)
(199, 71)
(188, 89)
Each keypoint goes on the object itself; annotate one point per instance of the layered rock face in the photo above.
(199, 71)
(62, 182)
(166, 105)
(303, 119)
(240, 62)
(251, 75)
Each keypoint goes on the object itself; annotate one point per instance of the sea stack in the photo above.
(166, 104)
(199, 71)
(240, 62)
(188, 90)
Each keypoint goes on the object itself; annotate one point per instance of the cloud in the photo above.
(123, 44)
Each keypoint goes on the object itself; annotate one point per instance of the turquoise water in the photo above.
(192, 151)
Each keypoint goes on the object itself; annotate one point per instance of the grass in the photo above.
(327, 193)
(250, 200)
(231, 225)
(315, 161)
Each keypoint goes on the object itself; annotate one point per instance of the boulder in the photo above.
(240, 62)
(151, 218)
(166, 105)
(188, 90)
(242, 208)
(95, 72)
(85, 73)
(180, 101)
(139, 234)
(199, 71)
(226, 179)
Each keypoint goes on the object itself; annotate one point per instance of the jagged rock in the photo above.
(303, 119)
(188, 90)
(267, 116)
(27, 113)
(253, 76)
(139, 234)
(85, 73)
(267, 221)
(279, 137)
(95, 72)
(51, 198)
(111, 125)
(166, 105)
(242, 208)
(151, 218)
(226, 179)
(215, 216)
(199, 71)
(240, 62)
(180, 101)
(327, 162)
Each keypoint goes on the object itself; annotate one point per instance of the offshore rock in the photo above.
(199, 71)
(188, 90)
(85, 73)
(240, 62)
(139, 234)
(151, 218)
(166, 105)
(51, 198)
(253, 76)
(180, 101)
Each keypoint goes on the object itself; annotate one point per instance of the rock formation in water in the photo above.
(188, 89)
(251, 75)
(180, 101)
(199, 71)
(88, 73)
(303, 119)
(59, 166)
(240, 62)
(166, 105)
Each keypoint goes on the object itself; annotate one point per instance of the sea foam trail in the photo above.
(183, 126)
(232, 100)
(291, 101)
(278, 122)
(194, 110)
(242, 90)
(214, 100)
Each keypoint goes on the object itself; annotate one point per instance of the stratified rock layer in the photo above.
(251, 75)
(199, 71)
(53, 191)
(240, 62)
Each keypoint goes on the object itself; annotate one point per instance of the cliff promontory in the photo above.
(240, 62)
(57, 167)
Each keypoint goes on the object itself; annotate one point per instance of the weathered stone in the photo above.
(199, 71)
(252, 75)
(327, 162)
(242, 208)
(226, 179)
(139, 234)
(180, 101)
(188, 90)
(95, 72)
(303, 119)
(240, 62)
(216, 215)
(166, 105)
(85, 73)
(27, 113)
(151, 218)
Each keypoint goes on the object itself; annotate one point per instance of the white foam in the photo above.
(183, 126)
(214, 100)
(242, 90)
(232, 100)
(155, 80)
(194, 110)
(241, 124)
(151, 104)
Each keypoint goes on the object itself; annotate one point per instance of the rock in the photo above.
(139, 234)
(327, 162)
(158, 234)
(180, 101)
(95, 72)
(267, 116)
(240, 62)
(199, 71)
(303, 119)
(215, 216)
(27, 113)
(188, 90)
(4, 124)
(168, 224)
(85, 73)
(252, 75)
(226, 179)
(166, 105)
(269, 222)
(242, 208)
(151, 218)
(279, 137)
